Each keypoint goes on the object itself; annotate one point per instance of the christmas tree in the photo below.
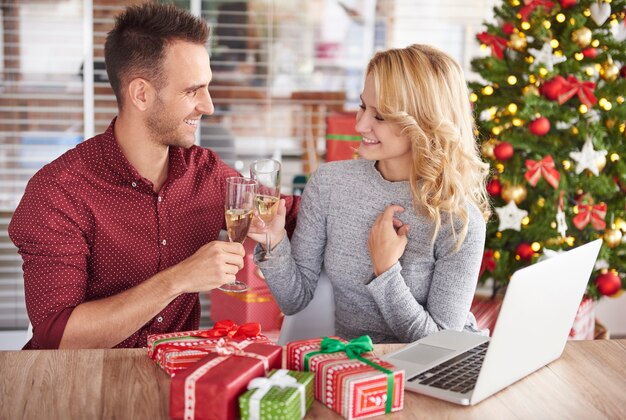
(551, 122)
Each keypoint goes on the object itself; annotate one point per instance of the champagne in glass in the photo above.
(239, 209)
(267, 174)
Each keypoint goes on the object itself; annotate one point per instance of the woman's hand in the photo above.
(276, 228)
(387, 239)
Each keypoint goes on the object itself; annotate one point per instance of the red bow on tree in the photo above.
(589, 212)
(228, 328)
(545, 168)
(573, 86)
(532, 5)
(488, 263)
(498, 44)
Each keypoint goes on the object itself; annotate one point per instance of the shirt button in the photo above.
(160, 319)
(160, 199)
(164, 242)
(134, 184)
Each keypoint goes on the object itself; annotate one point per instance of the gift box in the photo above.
(584, 322)
(209, 389)
(342, 139)
(176, 351)
(284, 394)
(348, 379)
(255, 305)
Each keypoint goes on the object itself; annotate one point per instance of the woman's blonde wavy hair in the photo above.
(423, 91)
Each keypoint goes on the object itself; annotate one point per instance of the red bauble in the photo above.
(566, 4)
(540, 126)
(590, 52)
(608, 283)
(524, 251)
(552, 88)
(503, 151)
(622, 71)
(494, 187)
(508, 28)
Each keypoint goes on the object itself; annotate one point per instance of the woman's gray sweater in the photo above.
(429, 289)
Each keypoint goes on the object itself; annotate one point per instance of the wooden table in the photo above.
(588, 381)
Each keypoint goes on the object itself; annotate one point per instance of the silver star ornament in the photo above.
(510, 216)
(587, 158)
(544, 56)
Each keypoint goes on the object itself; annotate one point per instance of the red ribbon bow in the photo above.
(532, 5)
(228, 328)
(545, 168)
(584, 89)
(594, 213)
(498, 44)
(488, 262)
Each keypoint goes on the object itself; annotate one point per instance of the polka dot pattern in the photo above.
(89, 226)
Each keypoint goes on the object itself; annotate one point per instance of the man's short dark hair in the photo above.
(135, 47)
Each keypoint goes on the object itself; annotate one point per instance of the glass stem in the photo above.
(267, 245)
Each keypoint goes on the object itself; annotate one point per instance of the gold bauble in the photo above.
(612, 237)
(620, 224)
(582, 37)
(609, 71)
(516, 193)
(517, 42)
(600, 162)
(530, 90)
(610, 123)
(486, 149)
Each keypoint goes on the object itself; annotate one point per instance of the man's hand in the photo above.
(387, 239)
(211, 266)
(276, 229)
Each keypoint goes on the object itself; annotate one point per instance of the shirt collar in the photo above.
(119, 165)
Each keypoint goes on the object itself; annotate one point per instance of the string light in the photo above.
(614, 157)
(525, 26)
(595, 43)
(496, 131)
(473, 97)
(512, 108)
(579, 56)
(526, 221)
(532, 78)
(575, 130)
(535, 246)
(583, 109)
(487, 90)
(547, 24)
(496, 254)
(517, 122)
(560, 18)
(543, 72)
(511, 80)
(587, 12)
(567, 165)
(553, 225)
(541, 202)
(499, 167)
(498, 235)
(590, 70)
(554, 43)
(619, 100)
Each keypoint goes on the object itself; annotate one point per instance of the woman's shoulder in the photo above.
(344, 169)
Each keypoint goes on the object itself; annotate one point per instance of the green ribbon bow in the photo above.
(354, 349)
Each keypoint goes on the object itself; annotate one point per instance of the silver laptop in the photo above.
(531, 331)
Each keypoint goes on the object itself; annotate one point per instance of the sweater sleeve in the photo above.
(293, 272)
(452, 286)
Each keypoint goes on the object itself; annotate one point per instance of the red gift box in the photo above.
(352, 387)
(176, 351)
(342, 139)
(584, 327)
(209, 389)
(255, 305)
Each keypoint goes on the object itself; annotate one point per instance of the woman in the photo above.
(401, 231)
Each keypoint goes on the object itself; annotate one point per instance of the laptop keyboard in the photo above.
(458, 374)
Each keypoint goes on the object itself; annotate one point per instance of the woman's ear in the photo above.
(141, 93)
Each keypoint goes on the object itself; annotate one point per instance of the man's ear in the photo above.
(141, 93)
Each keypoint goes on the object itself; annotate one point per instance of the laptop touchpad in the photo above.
(422, 354)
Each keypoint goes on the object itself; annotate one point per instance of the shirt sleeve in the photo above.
(452, 286)
(46, 230)
(293, 273)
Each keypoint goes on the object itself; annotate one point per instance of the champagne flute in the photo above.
(239, 209)
(267, 174)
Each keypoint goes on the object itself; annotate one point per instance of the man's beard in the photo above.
(164, 128)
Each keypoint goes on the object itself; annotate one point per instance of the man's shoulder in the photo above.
(73, 162)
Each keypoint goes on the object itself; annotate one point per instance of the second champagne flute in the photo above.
(239, 208)
(267, 174)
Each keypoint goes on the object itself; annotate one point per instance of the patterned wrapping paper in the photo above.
(585, 321)
(278, 396)
(347, 385)
(342, 139)
(209, 389)
(177, 351)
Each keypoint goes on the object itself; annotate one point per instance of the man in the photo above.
(118, 235)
